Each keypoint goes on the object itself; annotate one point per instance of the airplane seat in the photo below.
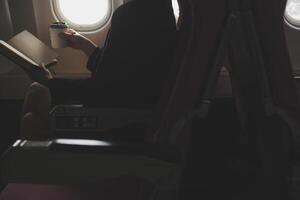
(285, 144)
(270, 30)
(270, 130)
(267, 137)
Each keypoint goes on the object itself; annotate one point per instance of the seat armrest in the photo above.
(168, 154)
(65, 161)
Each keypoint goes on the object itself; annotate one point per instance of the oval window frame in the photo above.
(292, 22)
(57, 14)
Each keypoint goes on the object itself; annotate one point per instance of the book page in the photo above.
(33, 48)
(16, 56)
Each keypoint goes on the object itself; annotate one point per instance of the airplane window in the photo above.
(83, 15)
(292, 12)
(175, 8)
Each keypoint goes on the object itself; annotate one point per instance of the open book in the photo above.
(27, 51)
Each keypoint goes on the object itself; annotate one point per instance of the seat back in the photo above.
(272, 135)
(198, 38)
(270, 143)
(159, 128)
(142, 38)
(203, 36)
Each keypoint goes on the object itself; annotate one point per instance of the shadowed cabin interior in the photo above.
(150, 99)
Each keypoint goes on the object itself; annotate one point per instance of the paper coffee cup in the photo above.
(55, 29)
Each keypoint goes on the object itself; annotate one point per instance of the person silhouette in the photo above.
(128, 72)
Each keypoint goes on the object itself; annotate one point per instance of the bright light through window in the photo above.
(292, 13)
(83, 14)
(175, 8)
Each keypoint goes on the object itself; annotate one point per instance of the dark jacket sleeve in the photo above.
(65, 91)
(94, 60)
(90, 93)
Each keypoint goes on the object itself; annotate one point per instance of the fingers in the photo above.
(45, 71)
(52, 63)
(43, 67)
(71, 31)
(70, 38)
(65, 35)
(68, 34)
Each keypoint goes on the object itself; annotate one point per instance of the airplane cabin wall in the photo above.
(14, 17)
(293, 42)
(5, 33)
(5, 20)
